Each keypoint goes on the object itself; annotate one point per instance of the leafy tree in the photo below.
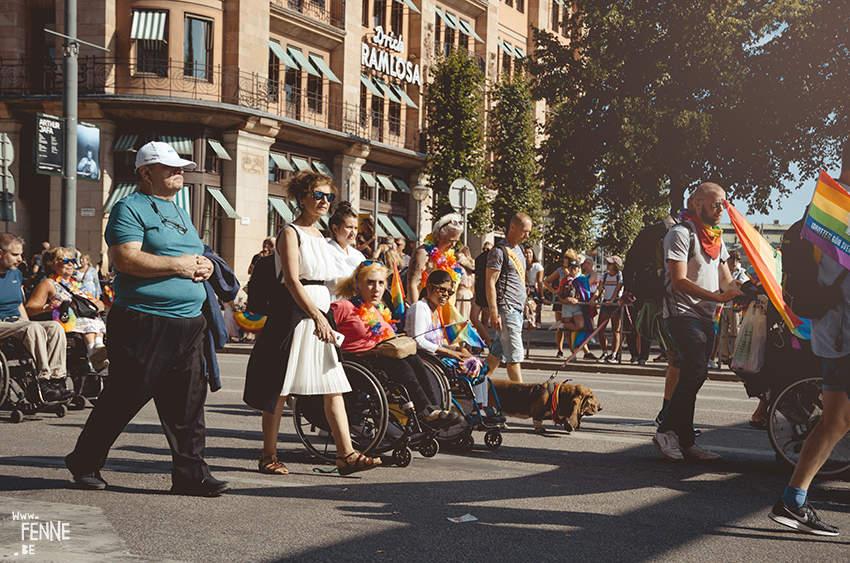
(513, 171)
(650, 98)
(455, 127)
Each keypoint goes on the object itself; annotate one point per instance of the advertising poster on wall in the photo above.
(50, 144)
(88, 152)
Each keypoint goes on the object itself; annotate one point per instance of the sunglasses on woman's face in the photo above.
(319, 195)
(68, 261)
(443, 290)
(370, 262)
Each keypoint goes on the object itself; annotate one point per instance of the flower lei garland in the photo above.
(368, 314)
(444, 261)
(72, 285)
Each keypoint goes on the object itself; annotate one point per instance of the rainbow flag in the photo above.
(458, 329)
(826, 223)
(397, 293)
(766, 262)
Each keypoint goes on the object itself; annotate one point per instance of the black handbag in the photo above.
(82, 306)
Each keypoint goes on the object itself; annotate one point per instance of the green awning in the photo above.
(405, 228)
(301, 163)
(368, 178)
(319, 63)
(302, 61)
(219, 150)
(403, 95)
(451, 18)
(412, 6)
(279, 205)
(444, 18)
(389, 227)
(148, 26)
(281, 54)
(119, 192)
(370, 85)
(520, 53)
(222, 201)
(126, 143)
(323, 168)
(470, 30)
(183, 145)
(387, 183)
(281, 161)
(386, 89)
(402, 185)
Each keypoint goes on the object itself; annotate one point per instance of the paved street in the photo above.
(599, 494)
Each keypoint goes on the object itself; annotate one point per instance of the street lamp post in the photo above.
(420, 194)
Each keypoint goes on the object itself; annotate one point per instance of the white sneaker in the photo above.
(98, 358)
(697, 453)
(668, 444)
(712, 364)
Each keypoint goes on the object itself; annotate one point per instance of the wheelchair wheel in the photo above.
(429, 448)
(365, 404)
(4, 379)
(402, 457)
(791, 417)
(436, 368)
(493, 439)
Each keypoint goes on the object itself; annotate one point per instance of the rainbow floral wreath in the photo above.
(368, 314)
(444, 261)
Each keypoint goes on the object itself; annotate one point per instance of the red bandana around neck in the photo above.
(709, 237)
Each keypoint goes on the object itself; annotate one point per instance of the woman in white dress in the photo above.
(343, 224)
(298, 335)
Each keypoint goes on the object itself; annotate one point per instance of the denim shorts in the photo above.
(836, 374)
(569, 311)
(507, 346)
(608, 310)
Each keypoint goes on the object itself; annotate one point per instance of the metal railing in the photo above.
(105, 76)
(331, 12)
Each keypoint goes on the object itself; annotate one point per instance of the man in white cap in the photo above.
(156, 328)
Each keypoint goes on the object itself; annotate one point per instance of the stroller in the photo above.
(789, 382)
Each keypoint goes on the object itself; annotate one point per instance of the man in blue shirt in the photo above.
(45, 340)
(156, 328)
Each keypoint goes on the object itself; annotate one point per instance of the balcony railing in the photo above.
(98, 77)
(331, 12)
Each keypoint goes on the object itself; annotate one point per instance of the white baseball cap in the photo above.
(157, 152)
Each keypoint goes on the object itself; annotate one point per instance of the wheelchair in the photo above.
(490, 420)
(380, 417)
(19, 390)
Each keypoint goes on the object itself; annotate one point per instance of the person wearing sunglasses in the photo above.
(365, 322)
(696, 279)
(156, 328)
(295, 351)
(56, 289)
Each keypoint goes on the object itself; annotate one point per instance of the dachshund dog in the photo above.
(524, 400)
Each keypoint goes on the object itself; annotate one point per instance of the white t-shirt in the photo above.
(702, 270)
(531, 275)
(344, 263)
(610, 283)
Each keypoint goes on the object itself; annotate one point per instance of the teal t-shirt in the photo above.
(133, 219)
(10, 293)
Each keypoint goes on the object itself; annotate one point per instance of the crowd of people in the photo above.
(334, 297)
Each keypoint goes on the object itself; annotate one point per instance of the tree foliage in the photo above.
(651, 98)
(513, 170)
(455, 129)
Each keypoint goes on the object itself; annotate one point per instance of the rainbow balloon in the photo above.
(250, 321)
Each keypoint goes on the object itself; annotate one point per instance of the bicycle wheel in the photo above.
(365, 405)
(791, 417)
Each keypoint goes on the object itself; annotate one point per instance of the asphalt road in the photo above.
(602, 493)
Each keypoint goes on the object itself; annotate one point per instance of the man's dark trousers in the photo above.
(150, 357)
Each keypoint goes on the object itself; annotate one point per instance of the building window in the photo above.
(293, 92)
(364, 19)
(315, 91)
(395, 118)
(506, 64)
(450, 40)
(437, 43)
(377, 118)
(509, 2)
(520, 5)
(463, 39)
(152, 57)
(556, 17)
(364, 114)
(396, 17)
(381, 13)
(274, 76)
(197, 51)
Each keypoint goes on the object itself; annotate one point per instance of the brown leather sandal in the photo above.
(270, 465)
(361, 463)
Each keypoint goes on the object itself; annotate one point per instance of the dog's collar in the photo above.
(554, 399)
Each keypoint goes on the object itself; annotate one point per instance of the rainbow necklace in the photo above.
(372, 316)
(445, 261)
(71, 285)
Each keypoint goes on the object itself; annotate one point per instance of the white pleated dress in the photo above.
(313, 367)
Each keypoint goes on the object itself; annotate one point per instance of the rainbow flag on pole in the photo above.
(827, 223)
(766, 262)
(397, 294)
(456, 328)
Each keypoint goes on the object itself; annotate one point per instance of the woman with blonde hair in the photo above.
(86, 274)
(298, 336)
(56, 289)
(366, 322)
